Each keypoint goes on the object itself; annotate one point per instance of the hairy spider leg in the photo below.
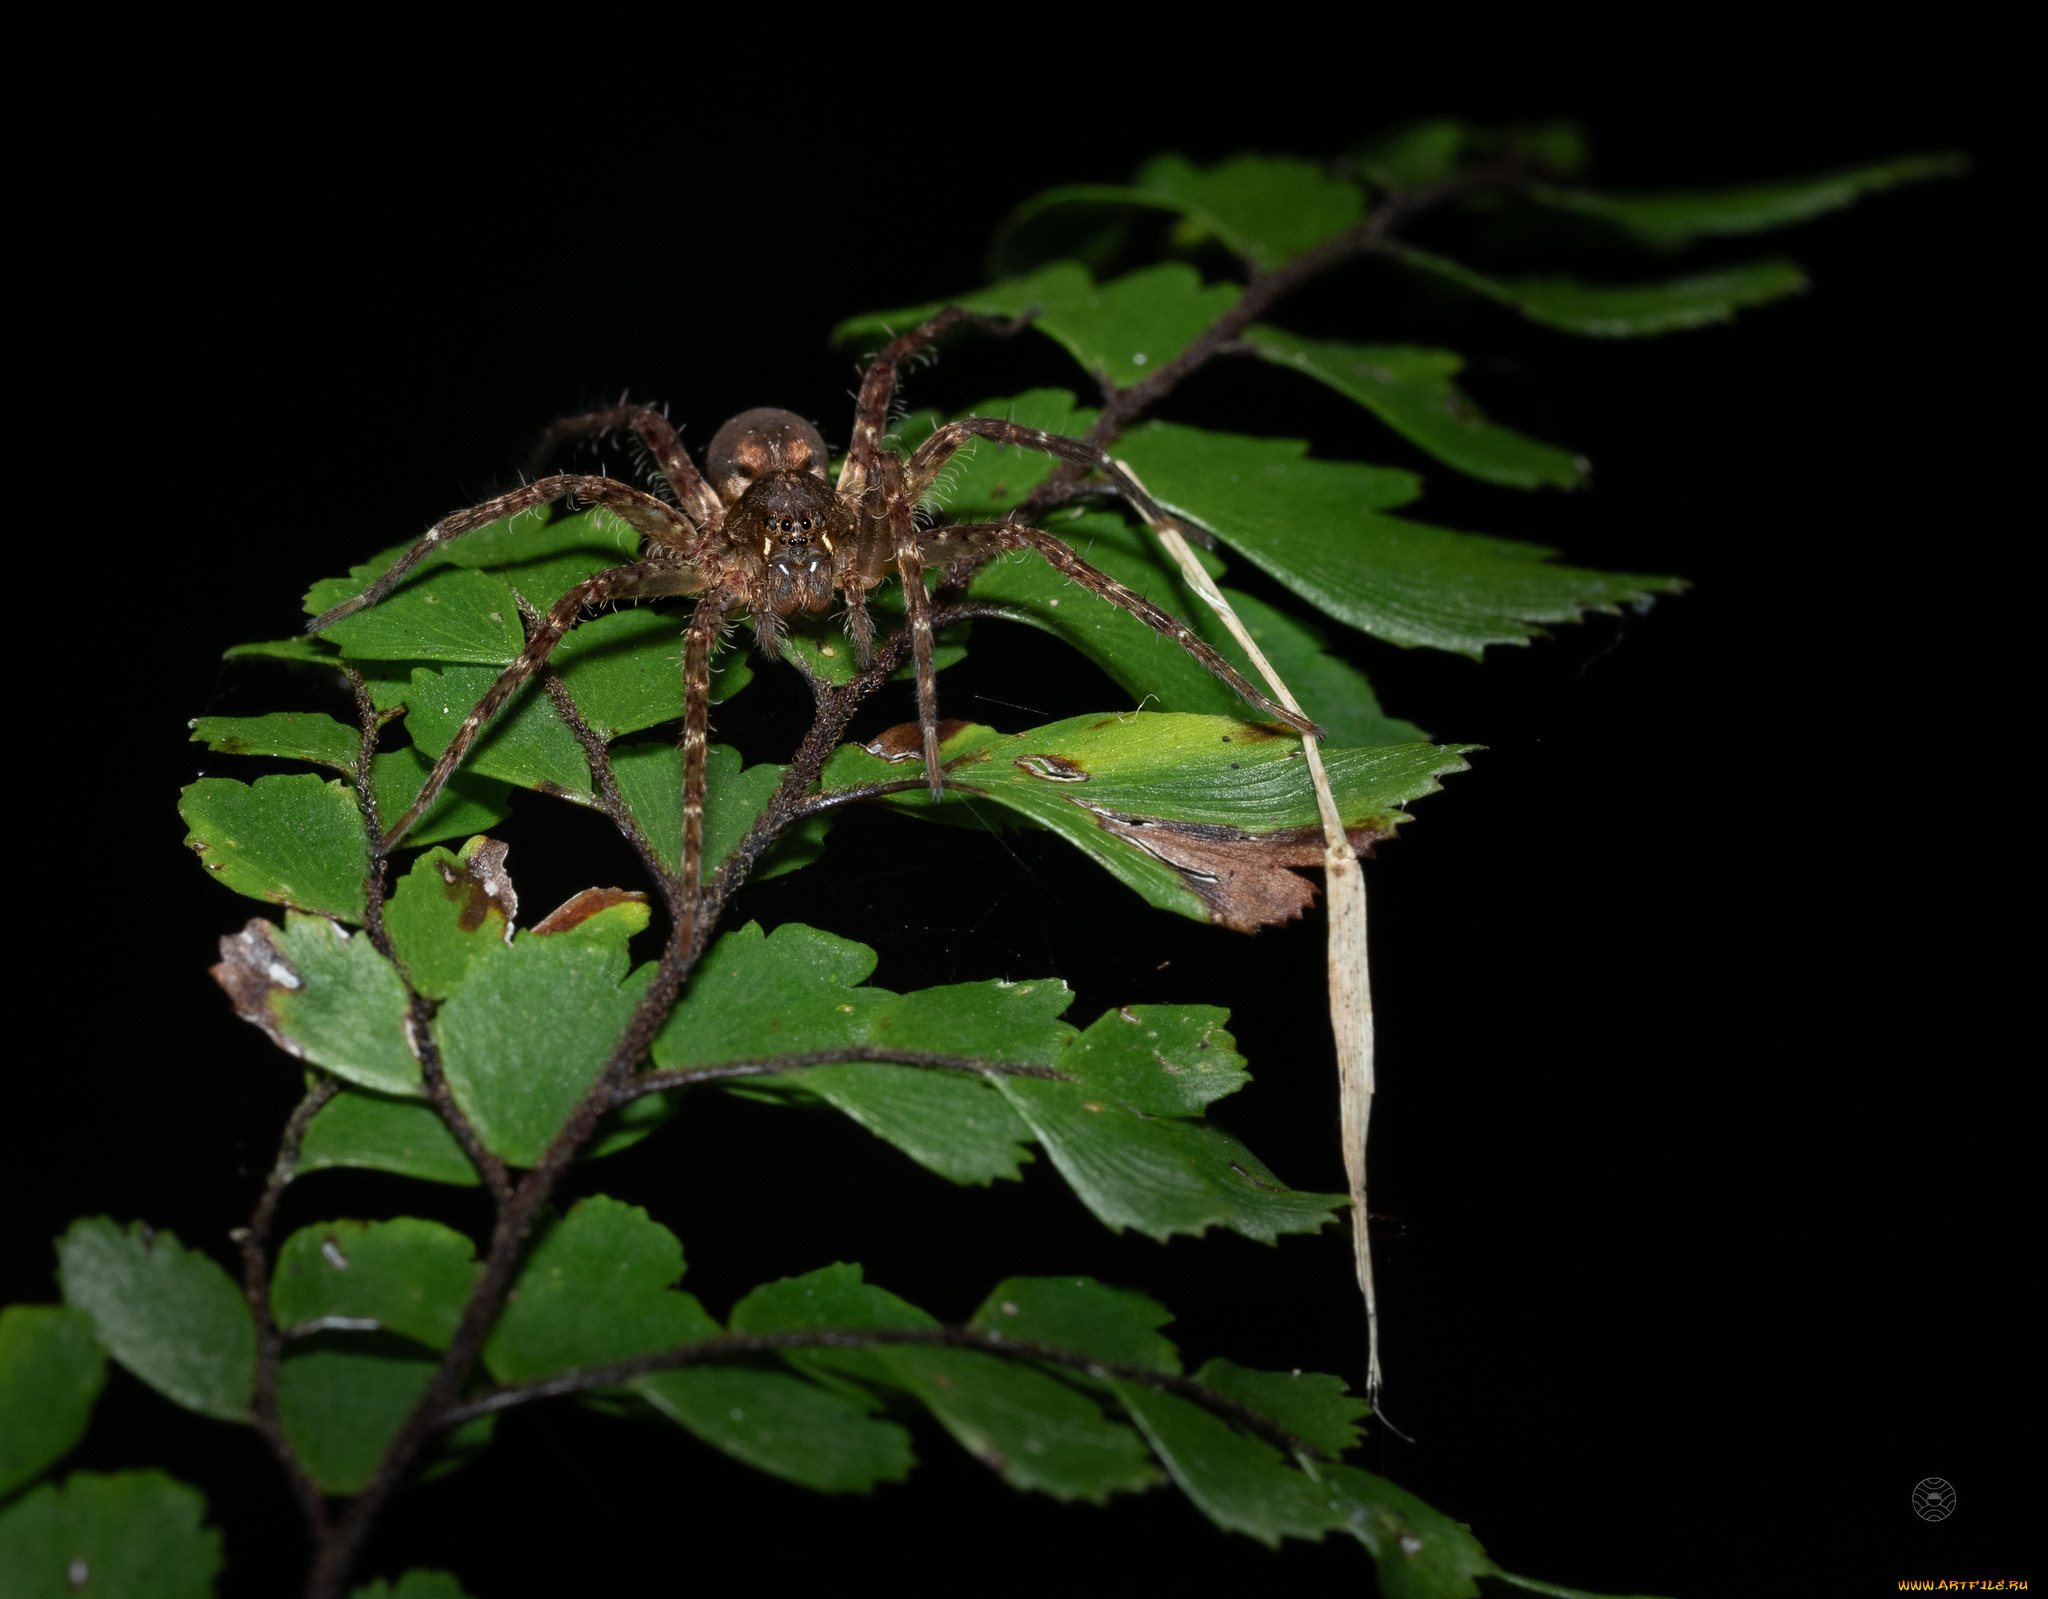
(910, 564)
(943, 546)
(697, 644)
(641, 580)
(643, 512)
(878, 388)
(692, 492)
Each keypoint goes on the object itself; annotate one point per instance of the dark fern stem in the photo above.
(339, 1533)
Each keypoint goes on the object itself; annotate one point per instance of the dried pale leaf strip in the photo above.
(51, 1371)
(169, 1314)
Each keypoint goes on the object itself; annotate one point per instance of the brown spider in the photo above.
(767, 534)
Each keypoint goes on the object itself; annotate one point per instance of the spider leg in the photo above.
(930, 458)
(641, 580)
(878, 388)
(692, 492)
(946, 545)
(643, 512)
(910, 563)
(697, 643)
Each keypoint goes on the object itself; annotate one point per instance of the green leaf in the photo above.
(51, 1370)
(650, 779)
(298, 736)
(948, 1122)
(1082, 1315)
(595, 1290)
(1413, 156)
(295, 841)
(406, 1276)
(527, 1032)
(753, 994)
(986, 483)
(1311, 1405)
(301, 649)
(831, 1296)
(1037, 1431)
(468, 804)
(442, 615)
(125, 1535)
(624, 671)
(1318, 527)
(1160, 1175)
(1671, 220)
(167, 1313)
(1239, 1482)
(1122, 330)
(446, 909)
(1421, 1552)
(1267, 209)
(323, 996)
(371, 1132)
(795, 993)
(1410, 389)
(1161, 1060)
(419, 1583)
(781, 1424)
(342, 1403)
(1107, 783)
(1625, 310)
(528, 743)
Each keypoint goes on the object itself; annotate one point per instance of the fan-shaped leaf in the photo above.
(1625, 310)
(1122, 330)
(1082, 1315)
(406, 1276)
(1318, 527)
(1239, 1482)
(372, 1132)
(167, 1313)
(1670, 220)
(51, 1370)
(418, 1583)
(1311, 1405)
(323, 996)
(341, 1403)
(596, 1289)
(295, 841)
(527, 1032)
(446, 909)
(128, 1535)
(1410, 389)
(781, 1424)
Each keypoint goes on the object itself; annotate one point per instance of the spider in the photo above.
(761, 530)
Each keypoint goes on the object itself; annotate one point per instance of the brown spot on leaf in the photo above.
(905, 741)
(251, 969)
(1245, 878)
(579, 908)
(1053, 768)
(478, 882)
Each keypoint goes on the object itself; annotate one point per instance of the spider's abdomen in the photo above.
(798, 527)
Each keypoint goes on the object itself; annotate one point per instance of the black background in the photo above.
(1694, 1109)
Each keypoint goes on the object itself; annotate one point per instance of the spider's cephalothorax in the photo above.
(768, 467)
(761, 530)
